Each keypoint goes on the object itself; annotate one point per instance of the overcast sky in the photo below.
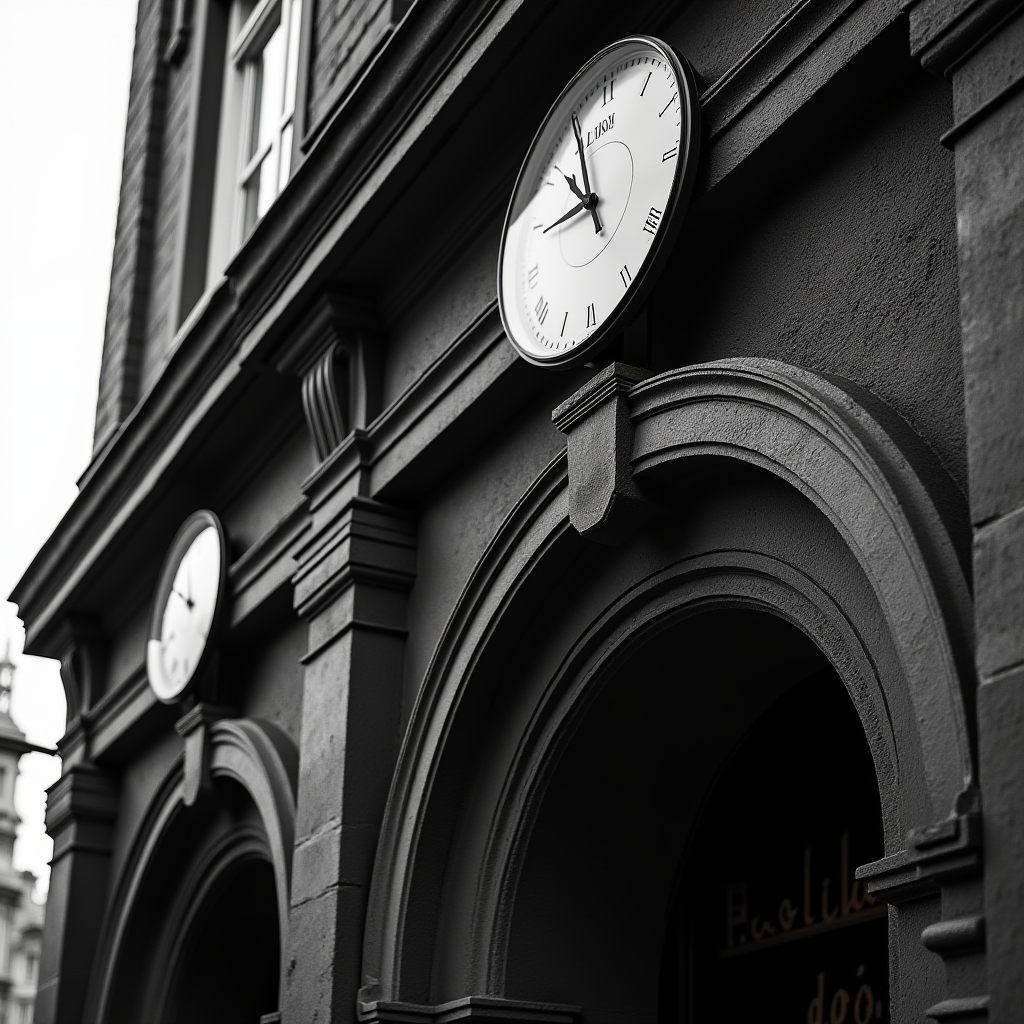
(65, 66)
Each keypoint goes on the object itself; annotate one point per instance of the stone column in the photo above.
(80, 811)
(351, 586)
(979, 47)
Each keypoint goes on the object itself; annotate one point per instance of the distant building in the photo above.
(21, 919)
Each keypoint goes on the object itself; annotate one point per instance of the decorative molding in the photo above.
(948, 850)
(194, 729)
(786, 43)
(335, 349)
(261, 758)
(323, 401)
(82, 648)
(944, 33)
(181, 32)
(967, 1008)
(979, 114)
(955, 937)
(366, 542)
(485, 1009)
(80, 810)
(605, 502)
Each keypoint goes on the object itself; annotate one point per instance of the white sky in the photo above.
(65, 66)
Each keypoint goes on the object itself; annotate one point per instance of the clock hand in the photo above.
(571, 182)
(565, 216)
(578, 132)
(187, 601)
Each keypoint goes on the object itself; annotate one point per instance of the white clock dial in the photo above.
(594, 198)
(186, 607)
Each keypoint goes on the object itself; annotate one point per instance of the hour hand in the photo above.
(565, 216)
(571, 182)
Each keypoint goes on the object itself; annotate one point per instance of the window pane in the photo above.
(268, 180)
(254, 75)
(291, 77)
(251, 192)
(286, 157)
(272, 92)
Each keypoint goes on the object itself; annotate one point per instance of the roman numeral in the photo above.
(626, 276)
(541, 309)
(561, 333)
(669, 104)
(653, 219)
(591, 316)
(646, 80)
(532, 275)
(608, 92)
(669, 153)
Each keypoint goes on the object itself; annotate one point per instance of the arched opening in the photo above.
(768, 914)
(726, 743)
(228, 965)
(202, 940)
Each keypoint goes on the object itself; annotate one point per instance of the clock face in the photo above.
(186, 605)
(596, 200)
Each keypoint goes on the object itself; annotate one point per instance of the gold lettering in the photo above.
(816, 1008)
(840, 1003)
(826, 914)
(787, 914)
(809, 918)
(853, 899)
(735, 910)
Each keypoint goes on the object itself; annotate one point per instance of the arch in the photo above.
(255, 755)
(871, 479)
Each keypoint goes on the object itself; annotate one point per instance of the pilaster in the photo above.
(80, 811)
(978, 45)
(351, 586)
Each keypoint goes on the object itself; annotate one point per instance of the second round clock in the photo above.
(598, 201)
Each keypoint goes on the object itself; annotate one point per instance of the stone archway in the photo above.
(855, 553)
(187, 860)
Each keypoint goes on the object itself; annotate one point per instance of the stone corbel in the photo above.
(334, 352)
(606, 504)
(194, 729)
(82, 649)
(943, 858)
(181, 32)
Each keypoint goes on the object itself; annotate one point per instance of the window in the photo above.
(266, 53)
(252, 131)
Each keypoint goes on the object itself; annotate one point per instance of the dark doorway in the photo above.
(770, 922)
(230, 962)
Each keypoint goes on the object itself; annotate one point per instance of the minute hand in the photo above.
(578, 132)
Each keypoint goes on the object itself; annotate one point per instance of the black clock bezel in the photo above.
(678, 201)
(187, 533)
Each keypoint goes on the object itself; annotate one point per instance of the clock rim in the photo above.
(189, 530)
(678, 201)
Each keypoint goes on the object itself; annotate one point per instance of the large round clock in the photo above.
(187, 606)
(598, 201)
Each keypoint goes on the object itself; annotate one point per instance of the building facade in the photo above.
(686, 684)
(21, 918)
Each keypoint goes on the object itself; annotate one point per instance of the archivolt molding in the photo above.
(875, 482)
(867, 473)
(260, 758)
(534, 526)
(726, 579)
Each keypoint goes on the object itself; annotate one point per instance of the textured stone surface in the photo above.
(133, 237)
